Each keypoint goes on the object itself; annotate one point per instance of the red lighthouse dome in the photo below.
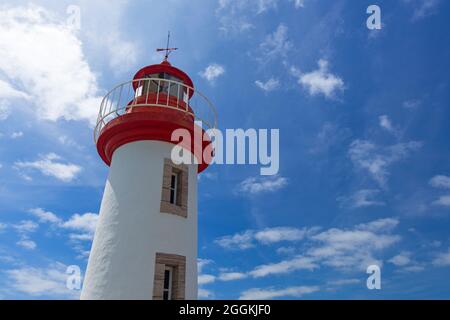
(152, 106)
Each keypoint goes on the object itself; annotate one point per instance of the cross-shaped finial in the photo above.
(167, 49)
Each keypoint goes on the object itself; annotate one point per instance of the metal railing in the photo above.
(155, 92)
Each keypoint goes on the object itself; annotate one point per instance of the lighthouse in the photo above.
(145, 243)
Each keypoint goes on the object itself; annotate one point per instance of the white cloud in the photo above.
(377, 159)
(16, 134)
(61, 85)
(344, 282)
(27, 244)
(231, 276)
(49, 166)
(272, 235)
(201, 263)
(442, 259)
(386, 124)
(320, 81)
(45, 216)
(354, 248)
(298, 3)
(271, 293)
(50, 281)
(412, 104)
(361, 199)
(7, 91)
(267, 236)
(402, 259)
(236, 16)
(283, 267)
(4, 110)
(86, 222)
(269, 85)
(212, 72)
(26, 226)
(257, 185)
(275, 45)
(240, 241)
(205, 279)
(205, 294)
(440, 181)
(443, 201)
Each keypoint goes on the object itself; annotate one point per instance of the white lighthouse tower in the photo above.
(145, 244)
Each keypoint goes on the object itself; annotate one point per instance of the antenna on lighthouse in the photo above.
(167, 49)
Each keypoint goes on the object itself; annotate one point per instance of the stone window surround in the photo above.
(178, 265)
(180, 208)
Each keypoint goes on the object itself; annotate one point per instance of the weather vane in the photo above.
(167, 49)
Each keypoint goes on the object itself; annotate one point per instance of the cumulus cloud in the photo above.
(269, 85)
(440, 181)
(45, 216)
(61, 85)
(443, 201)
(442, 259)
(50, 281)
(376, 159)
(49, 165)
(320, 81)
(85, 224)
(257, 185)
(212, 72)
(271, 293)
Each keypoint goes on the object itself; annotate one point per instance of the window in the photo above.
(167, 287)
(169, 280)
(174, 194)
(173, 188)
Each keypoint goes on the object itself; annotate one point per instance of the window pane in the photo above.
(166, 279)
(172, 196)
(166, 295)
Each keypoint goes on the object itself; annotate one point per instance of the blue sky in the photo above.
(364, 155)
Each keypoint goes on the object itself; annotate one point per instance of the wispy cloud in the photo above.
(257, 185)
(50, 165)
(268, 86)
(267, 236)
(376, 159)
(272, 293)
(423, 8)
(361, 199)
(275, 45)
(343, 249)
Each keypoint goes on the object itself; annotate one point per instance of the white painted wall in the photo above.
(131, 228)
